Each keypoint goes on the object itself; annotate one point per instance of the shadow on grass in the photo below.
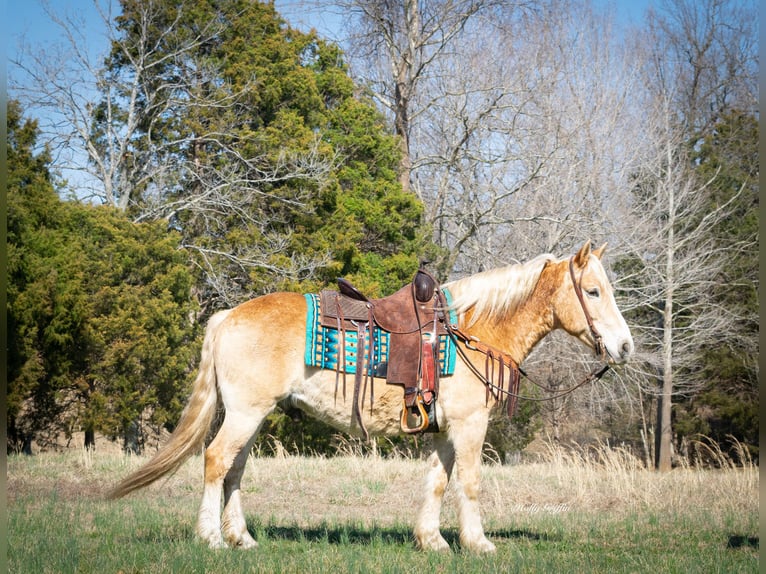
(335, 534)
(737, 541)
(363, 535)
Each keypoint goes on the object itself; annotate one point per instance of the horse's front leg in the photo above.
(468, 439)
(441, 462)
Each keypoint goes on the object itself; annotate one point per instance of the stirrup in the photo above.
(421, 412)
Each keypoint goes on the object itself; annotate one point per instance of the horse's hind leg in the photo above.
(224, 464)
(234, 525)
(441, 462)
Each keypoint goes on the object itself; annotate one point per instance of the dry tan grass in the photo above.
(370, 490)
(612, 479)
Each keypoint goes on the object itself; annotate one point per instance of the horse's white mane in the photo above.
(497, 292)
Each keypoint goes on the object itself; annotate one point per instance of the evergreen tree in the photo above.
(98, 311)
(283, 176)
(31, 334)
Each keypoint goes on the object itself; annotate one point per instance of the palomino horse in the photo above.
(253, 357)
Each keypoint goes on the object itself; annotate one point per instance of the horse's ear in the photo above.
(600, 251)
(581, 259)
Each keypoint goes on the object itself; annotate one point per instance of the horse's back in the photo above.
(288, 309)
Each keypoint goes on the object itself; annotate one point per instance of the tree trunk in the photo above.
(664, 432)
(404, 82)
(90, 439)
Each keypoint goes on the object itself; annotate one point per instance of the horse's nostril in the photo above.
(626, 348)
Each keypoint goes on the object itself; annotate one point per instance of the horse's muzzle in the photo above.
(623, 352)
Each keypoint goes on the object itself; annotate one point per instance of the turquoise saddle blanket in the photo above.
(323, 344)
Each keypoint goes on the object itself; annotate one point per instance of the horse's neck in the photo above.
(518, 334)
(529, 325)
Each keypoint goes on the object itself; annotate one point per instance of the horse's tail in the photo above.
(191, 431)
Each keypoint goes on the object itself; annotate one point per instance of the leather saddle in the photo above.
(413, 318)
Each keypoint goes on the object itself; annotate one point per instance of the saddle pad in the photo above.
(323, 344)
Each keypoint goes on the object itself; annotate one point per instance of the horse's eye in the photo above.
(593, 293)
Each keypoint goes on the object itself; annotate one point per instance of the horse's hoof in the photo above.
(433, 543)
(216, 544)
(483, 546)
(245, 543)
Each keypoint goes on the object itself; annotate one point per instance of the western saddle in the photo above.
(414, 318)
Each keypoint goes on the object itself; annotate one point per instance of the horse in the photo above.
(253, 359)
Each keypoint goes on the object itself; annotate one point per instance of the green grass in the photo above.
(308, 517)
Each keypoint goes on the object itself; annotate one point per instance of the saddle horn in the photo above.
(425, 285)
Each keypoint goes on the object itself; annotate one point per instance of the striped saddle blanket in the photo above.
(323, 345)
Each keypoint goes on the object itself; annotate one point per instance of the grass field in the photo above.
(585, 512)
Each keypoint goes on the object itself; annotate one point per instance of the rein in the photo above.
(511, 394)
(498, 390)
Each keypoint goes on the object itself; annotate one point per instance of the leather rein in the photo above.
(496, 356)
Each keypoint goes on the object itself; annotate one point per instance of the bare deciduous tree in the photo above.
(698, 63)
(708, 49)
(526, 149)
(94, 118)
(396, 44)
(673, 235)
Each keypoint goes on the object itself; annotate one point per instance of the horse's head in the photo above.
(586, 309)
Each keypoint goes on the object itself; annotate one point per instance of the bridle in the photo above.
(597, 338)
(503, 360)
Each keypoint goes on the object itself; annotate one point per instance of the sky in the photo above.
(28, 19)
